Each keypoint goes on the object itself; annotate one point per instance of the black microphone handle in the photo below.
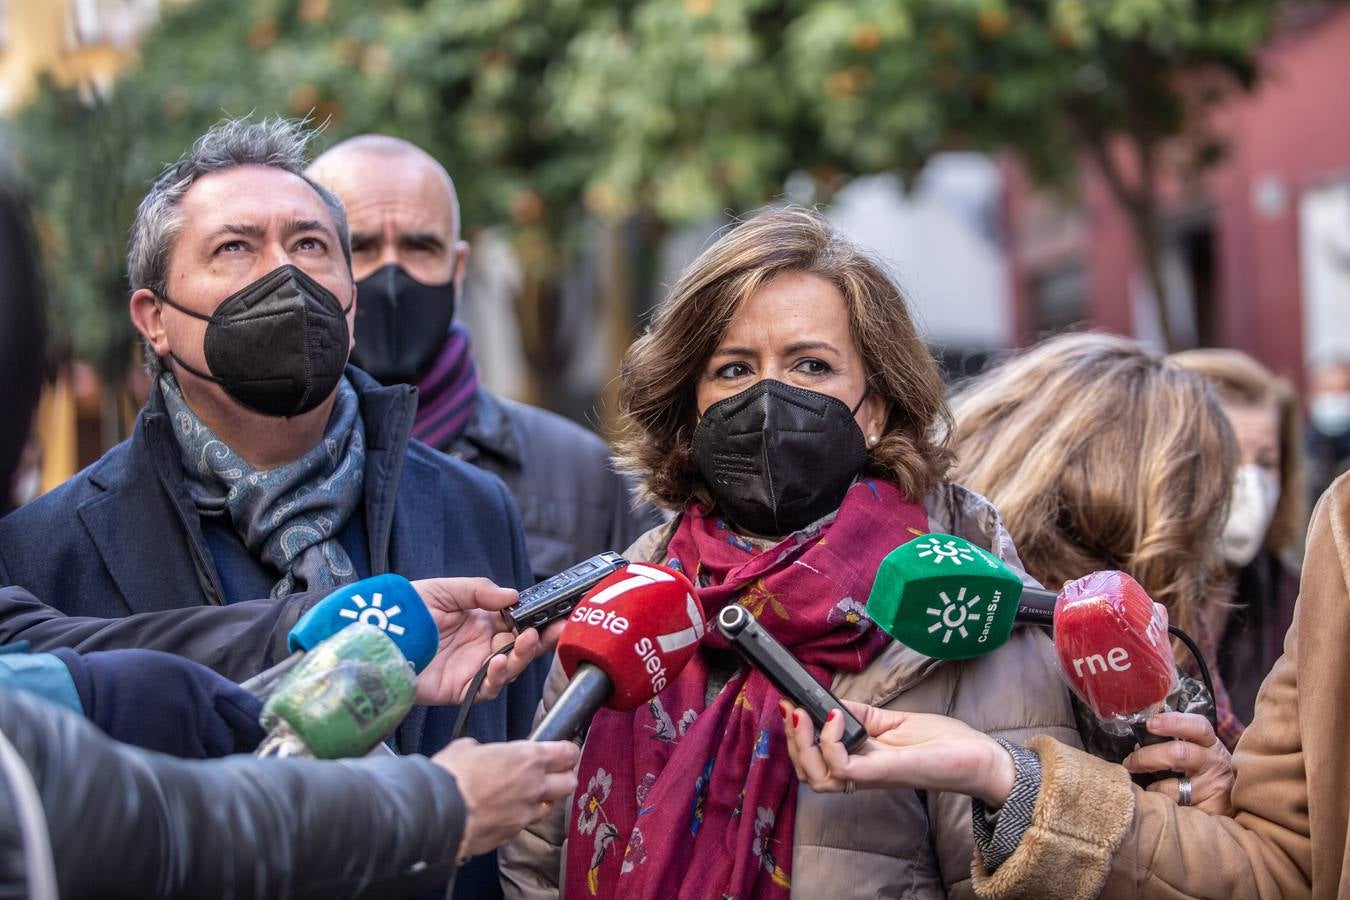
(785, 672)
(588, 690)
(1036, 606)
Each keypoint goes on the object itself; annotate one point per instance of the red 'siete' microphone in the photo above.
(627, 638)
(1113, 648)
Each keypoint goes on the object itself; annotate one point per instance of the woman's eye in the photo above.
(733, 370)
(814, 367)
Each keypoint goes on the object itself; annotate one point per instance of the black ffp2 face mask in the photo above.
(277, 346)
(401, 324)
(778, 457)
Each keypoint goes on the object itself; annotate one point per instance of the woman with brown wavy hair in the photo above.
(783, 405)
(1103, 455)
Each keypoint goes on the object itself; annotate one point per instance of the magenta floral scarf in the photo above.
(683, 799)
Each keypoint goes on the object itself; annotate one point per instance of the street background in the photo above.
(1174, 170)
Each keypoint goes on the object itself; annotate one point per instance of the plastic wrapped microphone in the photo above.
(949, 599)
(623, 643)
(1113, 649)
(387, 602)
(345, 696)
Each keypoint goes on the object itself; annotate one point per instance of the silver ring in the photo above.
(1184, 792)
(850, 786)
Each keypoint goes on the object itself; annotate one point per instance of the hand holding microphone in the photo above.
(541, 774)
(904, 750)
(1113, 648)
(467, 614)
(786, 673)
(445, 626)
(1196, 752)
(950, 599)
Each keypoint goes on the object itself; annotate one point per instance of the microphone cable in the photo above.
(471, 693)
(1204, 671)
(462, 722)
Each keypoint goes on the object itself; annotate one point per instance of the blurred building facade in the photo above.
(943, 242)
(80, 43)
(1257, 254)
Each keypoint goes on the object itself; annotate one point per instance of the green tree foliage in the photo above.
(701, 104)
(556, 113)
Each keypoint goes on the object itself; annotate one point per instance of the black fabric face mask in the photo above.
(277, 346)
(401, 324)
(778, 457)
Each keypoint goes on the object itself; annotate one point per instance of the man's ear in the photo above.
(461, 265)
(147, 314)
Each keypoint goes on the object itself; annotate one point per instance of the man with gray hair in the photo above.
(263, 465)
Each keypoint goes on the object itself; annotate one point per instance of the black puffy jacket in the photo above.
(128, 823)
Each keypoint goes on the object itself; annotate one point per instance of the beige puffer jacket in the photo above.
(877, 844)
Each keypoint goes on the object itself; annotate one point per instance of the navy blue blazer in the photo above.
(123, 537)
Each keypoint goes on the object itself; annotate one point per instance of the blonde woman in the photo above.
(782, 404)
(1261, 538)
(1086, 832)
(1102, 455)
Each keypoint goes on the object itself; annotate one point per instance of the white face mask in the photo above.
(1256, 492)
(1330, 413)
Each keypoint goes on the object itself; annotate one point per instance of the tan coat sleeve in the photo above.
(1015, 693)
(1096, 834)
(1288, 838)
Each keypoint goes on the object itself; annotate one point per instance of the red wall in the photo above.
(1296, 127)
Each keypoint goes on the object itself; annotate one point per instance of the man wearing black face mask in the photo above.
(409, 263)
(262, 465)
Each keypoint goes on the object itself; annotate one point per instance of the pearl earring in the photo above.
(873, 440)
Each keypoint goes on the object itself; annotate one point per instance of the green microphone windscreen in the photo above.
(945, 597)
(344, 697)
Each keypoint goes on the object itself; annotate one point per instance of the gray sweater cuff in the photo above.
(999, 831)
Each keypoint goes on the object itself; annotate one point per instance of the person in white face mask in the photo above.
(1265, 518)
(1327, 439)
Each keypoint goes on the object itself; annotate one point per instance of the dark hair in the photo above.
(658, 373)
(22, 335)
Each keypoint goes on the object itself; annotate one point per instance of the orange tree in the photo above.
(553, 116)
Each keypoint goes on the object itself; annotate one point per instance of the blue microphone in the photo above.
(388, 602)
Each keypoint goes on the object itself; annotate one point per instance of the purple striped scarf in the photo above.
(446, 394)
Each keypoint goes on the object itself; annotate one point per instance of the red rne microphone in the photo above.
(627, 638)
(1113, 647)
